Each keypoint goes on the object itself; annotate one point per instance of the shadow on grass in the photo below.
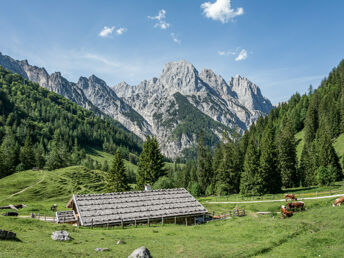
(93, 151)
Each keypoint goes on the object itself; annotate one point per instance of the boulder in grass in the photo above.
(60, 235)
(141, 252)
(102, 249)
(7, 235)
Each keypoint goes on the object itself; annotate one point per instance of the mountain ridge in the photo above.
(152, 106)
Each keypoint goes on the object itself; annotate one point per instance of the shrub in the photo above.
(163, 183)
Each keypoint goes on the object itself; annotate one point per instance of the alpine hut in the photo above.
(174, 205)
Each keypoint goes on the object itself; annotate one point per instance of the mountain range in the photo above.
(173, 107)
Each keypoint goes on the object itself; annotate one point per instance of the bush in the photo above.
(221, 189)
(163, 183)
(326, 175)
(209, 190)
(194, 189)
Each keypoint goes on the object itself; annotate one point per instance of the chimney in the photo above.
(148, 187)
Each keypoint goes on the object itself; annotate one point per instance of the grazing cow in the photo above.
(338, 201)
(290, 196)
(285, 213)
(296, 205)
(53, 207)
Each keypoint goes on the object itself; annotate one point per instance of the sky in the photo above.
(282, 46)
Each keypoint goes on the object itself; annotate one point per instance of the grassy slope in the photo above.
(338, 144)
(101, 156)
(300, 143)
(57, 187)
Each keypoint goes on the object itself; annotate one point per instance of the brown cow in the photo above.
(296, 205)
(290, 196)
(285, 213)
(338, 201)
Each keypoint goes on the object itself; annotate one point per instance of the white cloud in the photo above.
(242, 55)
(221, 10)
(106, 31)
(227, 53)
(161, 20)
(175, 38)
(120, 31)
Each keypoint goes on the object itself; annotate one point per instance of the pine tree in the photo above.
(287, 156)
(117, 180)
(308, 164)
(10, 153)
(27, 156)
(39, 159)
(150, 163)
(268, 177)
(248, 183)
(105, 166)
(204, 165)
(327, 156)
(311, 120)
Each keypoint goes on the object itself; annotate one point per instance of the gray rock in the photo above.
(7, 235)
(141, 252)
(60, 235)
(101, 249)
(236, 104)
(120, 242)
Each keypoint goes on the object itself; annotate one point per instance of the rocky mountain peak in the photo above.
(249, 94)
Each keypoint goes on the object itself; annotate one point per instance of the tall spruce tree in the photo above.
(27, 156)
(287, 155)
(151, 164)
(248, 181)
(311, 120)
(10, 153)
(268, 177)
(116, 179)
(204, 165)
(327, 156)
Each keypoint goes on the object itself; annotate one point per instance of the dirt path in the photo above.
(21, 191)
(280, 200)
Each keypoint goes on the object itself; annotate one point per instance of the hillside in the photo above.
(307, 136)
(36, 124)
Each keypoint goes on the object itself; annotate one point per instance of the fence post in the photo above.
(92, 224)
(195, 220)
(186, 221)
(175, 220)
(122, 224)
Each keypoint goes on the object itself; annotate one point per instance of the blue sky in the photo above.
(282, 46)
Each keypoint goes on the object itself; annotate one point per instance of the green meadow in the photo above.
(318, 231)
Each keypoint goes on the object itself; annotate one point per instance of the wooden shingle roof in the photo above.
(111, 208)
(65, 216)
